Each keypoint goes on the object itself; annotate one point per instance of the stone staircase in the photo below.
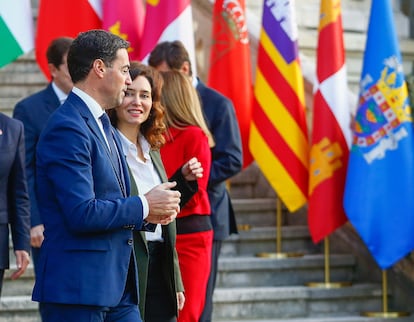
(266, 289)
(262, 289)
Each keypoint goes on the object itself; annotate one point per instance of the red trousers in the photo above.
(194, 255)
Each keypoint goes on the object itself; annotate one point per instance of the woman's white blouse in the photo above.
(145, 175)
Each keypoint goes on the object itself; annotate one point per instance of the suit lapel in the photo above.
(159, 167)
(83, 109)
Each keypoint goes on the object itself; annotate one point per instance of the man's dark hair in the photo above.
(92, 45)
(58, 48)
(172, 52)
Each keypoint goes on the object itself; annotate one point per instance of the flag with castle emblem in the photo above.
(128, 24)
(230, 64)
(168, 20)
(64, 18)
(16, 30)
(379, 185)
(331, 131)
(278, 133)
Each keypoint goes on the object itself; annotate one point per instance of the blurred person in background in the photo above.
(34, 111)
(14, 198)
(187, 135)
(227, 157)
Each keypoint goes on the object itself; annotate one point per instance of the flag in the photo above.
(278, 134)
(125, 18)
(168, 20)
(331, 132)
(230, 65)
(380, 180)
(16, 30)
(64, 18)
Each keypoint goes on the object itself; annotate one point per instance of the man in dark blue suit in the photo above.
(227, 156)
(34, 111)
(14, 198)
(87, 271)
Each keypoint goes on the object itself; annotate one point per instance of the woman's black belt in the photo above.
(193, 224)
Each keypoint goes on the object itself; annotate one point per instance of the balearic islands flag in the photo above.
(125, 18)
(64, 18)
(168, 20)
(278, 136)
(379, 185)
(331, 134)
(16, 30)
(230, 64)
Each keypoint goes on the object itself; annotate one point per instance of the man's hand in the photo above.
(192, 170)
(36, 236)
(163, 203)
(22, 261)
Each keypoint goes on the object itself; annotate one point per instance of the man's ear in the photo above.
(52, 69)
(99, 67)
(185, 68)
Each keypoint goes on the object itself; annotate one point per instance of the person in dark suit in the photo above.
(14, 198)
(227, 158)
(34, 111)
(87, 269)
(140, 122)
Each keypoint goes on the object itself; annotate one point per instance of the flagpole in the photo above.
(327, 283)
(279, 254)
(385, 313)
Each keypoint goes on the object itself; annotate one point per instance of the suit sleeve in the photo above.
(19, 198)
(85, 187)
(31, 138)
(227, 158)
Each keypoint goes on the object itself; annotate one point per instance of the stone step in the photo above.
(253, 240)
(21, 286)
(258, 212)
(257, 271)
(295, 302)
(18, 309)
(243, 271)
(262, 212)
(350, 318)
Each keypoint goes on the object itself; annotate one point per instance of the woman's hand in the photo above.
(180, 300)
(192, 170)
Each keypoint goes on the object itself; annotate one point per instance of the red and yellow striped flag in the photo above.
(331, 135)
(278, 134)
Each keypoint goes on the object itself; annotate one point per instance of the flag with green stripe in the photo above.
(16, 30)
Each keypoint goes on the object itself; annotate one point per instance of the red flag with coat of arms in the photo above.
(331, 135)
(230, 63)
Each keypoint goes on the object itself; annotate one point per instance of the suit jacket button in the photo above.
(130, 242)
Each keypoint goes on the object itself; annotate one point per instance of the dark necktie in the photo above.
(114, 152)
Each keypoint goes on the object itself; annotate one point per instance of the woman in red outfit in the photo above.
(188, 135)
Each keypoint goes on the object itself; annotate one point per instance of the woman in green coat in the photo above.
(139, 121)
